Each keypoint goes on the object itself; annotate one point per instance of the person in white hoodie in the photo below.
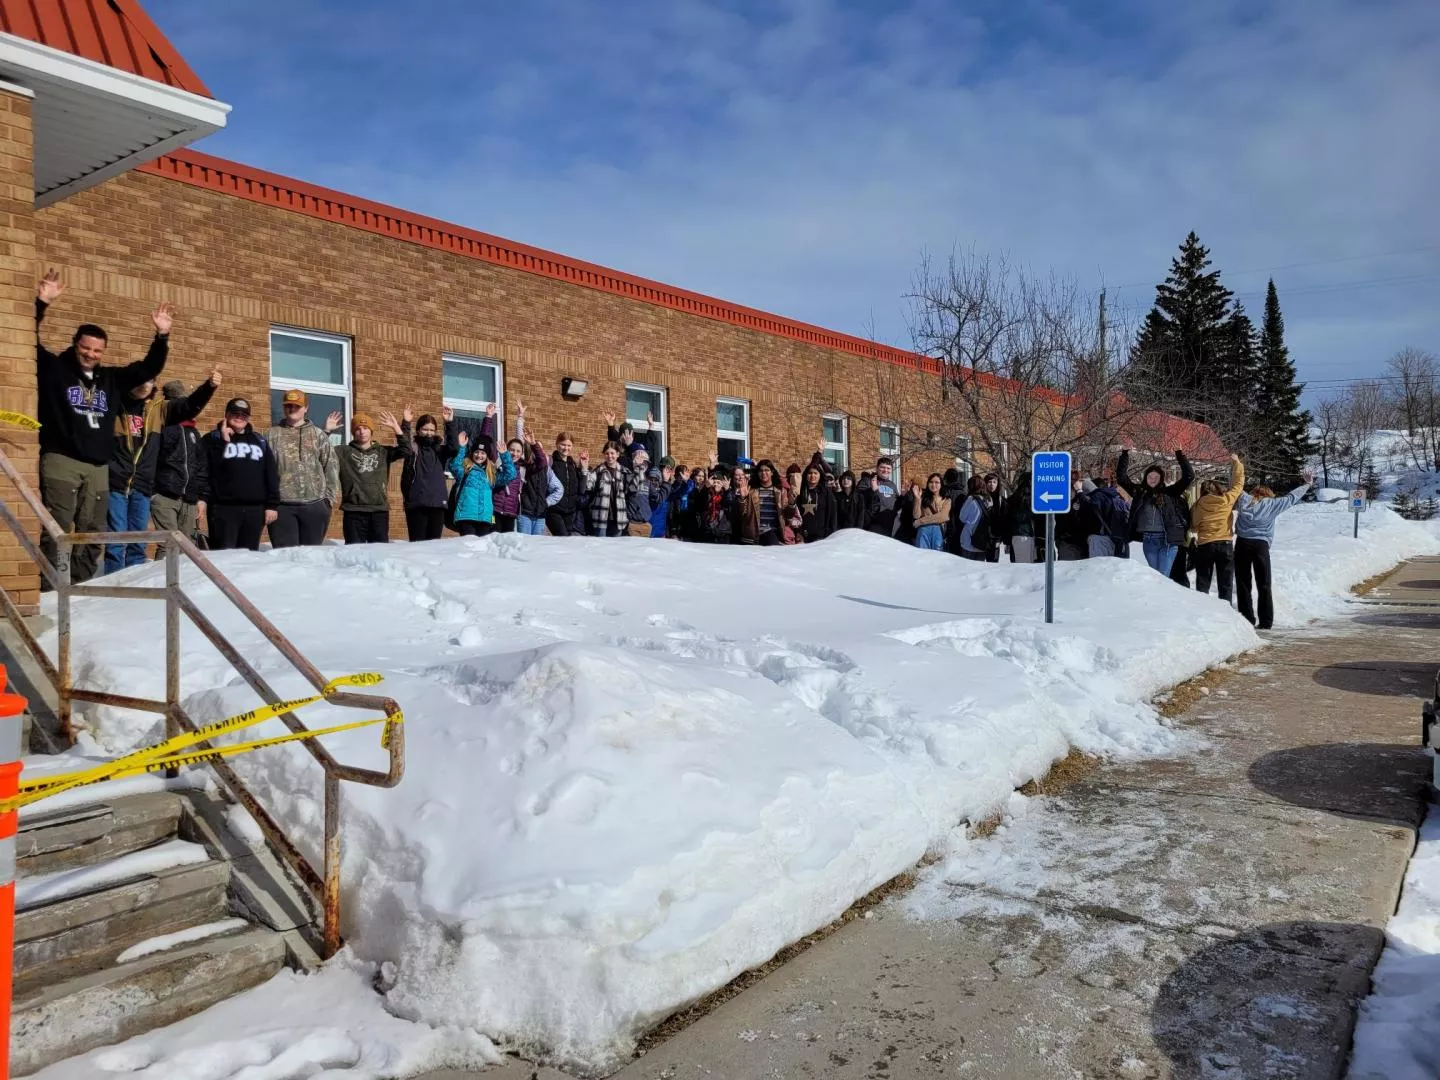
(1256, 512)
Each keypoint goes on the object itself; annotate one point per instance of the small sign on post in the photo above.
(1359, 503)
(1050, 494)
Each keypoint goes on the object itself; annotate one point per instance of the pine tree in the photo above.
(1281, 440)
(1195, 356)
(1370, 481)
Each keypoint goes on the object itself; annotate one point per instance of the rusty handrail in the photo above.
(325, 886)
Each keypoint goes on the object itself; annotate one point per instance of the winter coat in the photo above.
(849, 509)
(422, 479)
(660, 501)
(1103, 513)
(475, 486)
(540, 487)
(818, 516)
(139, 425)
(880, 506)
(608, 490)
(306, 457)
(682, 520)
(365, 475)
(183, 465)
(1256, 519)
(745, 515)
(75, 407)
(1019, 521)
(572, 484)
(242, 471)
(975, 525)
(507, 499)
(1167, 499)
(1210, 516)
(642, 496)
(713, 516)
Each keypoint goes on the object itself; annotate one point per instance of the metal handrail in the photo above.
(326, 886)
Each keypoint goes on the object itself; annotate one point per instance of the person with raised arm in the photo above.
(309, 474)
(365, 479)
(1159, 516)
(78, 398)
(422, 478)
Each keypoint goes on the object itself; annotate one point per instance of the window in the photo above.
(837, 446)
(732, 430)
(468, 384)
(645, 409)
(962, 458)
(316, 363)
(890, 441)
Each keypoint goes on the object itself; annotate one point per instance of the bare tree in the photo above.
(1331, 428)
(1413, 374)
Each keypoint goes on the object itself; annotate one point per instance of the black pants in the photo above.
(1252, 558)
(300, 525)
(424, 522)
(558, 521)
(504, 522)
(235, 526)
(1217, 558)
(1185, 561)
(476, 528)
(367, 526)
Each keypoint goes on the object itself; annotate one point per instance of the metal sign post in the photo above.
(1359, 503)
(1050, 493)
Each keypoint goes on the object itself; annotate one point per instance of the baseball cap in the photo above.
(237, 405)
(295, 397)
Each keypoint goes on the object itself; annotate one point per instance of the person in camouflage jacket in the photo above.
(309, 476)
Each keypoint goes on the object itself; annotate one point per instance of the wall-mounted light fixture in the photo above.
(574, 389)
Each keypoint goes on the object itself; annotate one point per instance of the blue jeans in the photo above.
(126, 514)
(1159, 552)
(930, 537)
(530, 526)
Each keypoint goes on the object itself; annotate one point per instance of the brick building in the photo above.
(283, 285)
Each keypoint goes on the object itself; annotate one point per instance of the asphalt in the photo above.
(1212, 916)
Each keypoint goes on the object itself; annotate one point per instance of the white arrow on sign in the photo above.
(1050, 496)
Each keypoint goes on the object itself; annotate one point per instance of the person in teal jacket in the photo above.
(478, 472)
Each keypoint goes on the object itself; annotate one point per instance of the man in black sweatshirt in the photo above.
(242, 485)
(78, 400)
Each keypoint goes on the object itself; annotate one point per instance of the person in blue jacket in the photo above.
(1256, 512)
(478, 471)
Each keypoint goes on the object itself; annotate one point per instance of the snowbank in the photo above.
(636, 769)
(1397, 1031)
(1316, 558)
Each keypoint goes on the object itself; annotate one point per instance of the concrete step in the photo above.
(85, 835)
(79, 934)
(103, 1007)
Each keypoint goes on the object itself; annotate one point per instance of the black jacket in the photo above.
(422, 478)
(1168, 499)
(568, 473)
(182, 470)
(241, 472)
(136, 459)
(818, 513)
(881, 508)
(1019, 521)
(77, 408)
(850, 509)
(535, 488)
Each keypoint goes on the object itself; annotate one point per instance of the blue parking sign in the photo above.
(1050, 482)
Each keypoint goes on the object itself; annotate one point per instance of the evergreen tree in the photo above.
(1281, 427)
(1370, 481)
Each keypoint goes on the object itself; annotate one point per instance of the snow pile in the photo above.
(636, 769)
(1397, 1032)
(1316, 558)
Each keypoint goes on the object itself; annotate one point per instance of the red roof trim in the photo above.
(116, 33)
(202, 170)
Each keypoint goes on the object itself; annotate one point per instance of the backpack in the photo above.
(980, 538)
(1114, 516)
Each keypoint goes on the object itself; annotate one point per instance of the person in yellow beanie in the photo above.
(1211, 517)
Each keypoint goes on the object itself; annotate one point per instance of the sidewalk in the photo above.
(1212, 916)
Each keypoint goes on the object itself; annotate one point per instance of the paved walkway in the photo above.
(1215, 916)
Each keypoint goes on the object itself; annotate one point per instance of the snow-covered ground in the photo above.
(636, 769)
(1395, 1032)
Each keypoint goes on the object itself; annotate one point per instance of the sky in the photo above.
(804, 156)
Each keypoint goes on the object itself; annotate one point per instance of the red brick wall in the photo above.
(233, 268)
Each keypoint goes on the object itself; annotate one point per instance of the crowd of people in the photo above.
(115, 455)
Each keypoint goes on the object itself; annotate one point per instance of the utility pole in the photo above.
(1101, 345)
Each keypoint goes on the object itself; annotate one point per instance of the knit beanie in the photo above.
(360, 420)
(1087, 485)
(173, 390)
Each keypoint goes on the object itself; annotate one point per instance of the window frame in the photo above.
(843, 446)
(722, 434)
(890, 425)
(474, 405)
(965, 456)
(660, 426)
(312, 386)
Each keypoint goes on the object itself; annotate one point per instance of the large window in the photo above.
(646, 411)
(834, 431)
(732, 430)
(469, 384)
(890, 441)
(963, 451)
(316, 363)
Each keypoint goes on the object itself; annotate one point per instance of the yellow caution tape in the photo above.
(169, 755)
(19, 419)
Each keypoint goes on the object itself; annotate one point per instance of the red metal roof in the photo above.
(116, 33)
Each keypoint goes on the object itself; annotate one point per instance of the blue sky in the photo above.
(802, 155)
